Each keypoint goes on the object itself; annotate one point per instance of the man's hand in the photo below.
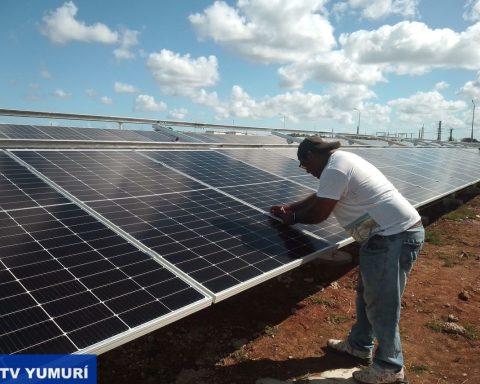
(283, 212)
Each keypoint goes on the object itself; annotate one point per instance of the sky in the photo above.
(380, 65)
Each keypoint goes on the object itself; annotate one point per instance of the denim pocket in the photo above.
(376, 244)
(410, 250)
(374, 258)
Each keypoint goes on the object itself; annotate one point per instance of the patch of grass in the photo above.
(433, 238)
(270, 330)
(422, 368)
(338, 319)
(448, 261)
(435, 326)
(471, 332)
(460, 214)
(325, 302)
(240, 356)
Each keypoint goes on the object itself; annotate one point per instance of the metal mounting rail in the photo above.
(133, 120)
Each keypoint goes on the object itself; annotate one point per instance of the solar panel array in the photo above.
(100, 246)
(76, 283)
(104, 180)
(234, 138)
(39, 132)
(67, 281)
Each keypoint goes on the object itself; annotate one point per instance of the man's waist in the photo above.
(418, 224)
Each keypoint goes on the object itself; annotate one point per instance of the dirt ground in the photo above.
(279, 329)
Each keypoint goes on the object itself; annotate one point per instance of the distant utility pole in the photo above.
(439, 135)
(473, 119)
(358, 125)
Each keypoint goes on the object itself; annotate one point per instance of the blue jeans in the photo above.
(385, 262)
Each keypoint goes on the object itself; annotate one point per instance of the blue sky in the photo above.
(308, 64)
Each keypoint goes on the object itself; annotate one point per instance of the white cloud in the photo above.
(60, 93)
(378, 9)
(146, 103)
(414, 48)
(182, 75)
(178, 113)
(268, 31)
(61, 27)
(471, 89)
(336, 104)
(441, 85)
(124, 88)
(332, 67)
(472, 10)
(423, 107)
(128, 40)
(91, 92)
(106, 100)
(45, 74)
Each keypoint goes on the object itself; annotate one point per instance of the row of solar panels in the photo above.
(100, 247)
(48, 133)
(38, 132)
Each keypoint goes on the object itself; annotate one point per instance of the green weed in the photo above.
(240, 356)
(338, 319)
(270, 330)
(460, 214)
(471, 332)
(325, 302)
(433, 238)
(422, 368)
(448, 261)
(435, 326)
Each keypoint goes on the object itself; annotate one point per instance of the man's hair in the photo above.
(315, 144)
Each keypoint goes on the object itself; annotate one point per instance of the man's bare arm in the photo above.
(311, 210)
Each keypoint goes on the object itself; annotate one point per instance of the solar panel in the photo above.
(212, 168)
(216, 240)
(15, 131)
(270, 161)
(128, 134)
(62, 133)
(97, 134)
(273, 162)
(97, 175)
(156, 136)
(70, 284)
(282, 192)
(249, 139)
(201, 137)
(187, 219)
(19, 188)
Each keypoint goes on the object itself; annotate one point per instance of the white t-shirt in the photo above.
(364, 193)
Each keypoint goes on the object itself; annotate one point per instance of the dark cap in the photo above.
(315, 144)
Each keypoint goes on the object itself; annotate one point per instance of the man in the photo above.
(391, 235)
